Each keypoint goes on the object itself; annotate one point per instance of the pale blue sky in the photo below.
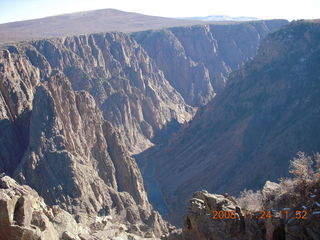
(15, 10)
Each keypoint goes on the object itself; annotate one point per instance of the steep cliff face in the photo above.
(68, 153)
(18, 78)
(130, 87)
(197, 60)
(131, 91)
(267, 113)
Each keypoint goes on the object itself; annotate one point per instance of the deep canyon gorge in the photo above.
(102, 131)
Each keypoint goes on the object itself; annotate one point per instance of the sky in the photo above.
(16, 10)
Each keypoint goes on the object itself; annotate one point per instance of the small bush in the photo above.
(251, 200)
(301, 167)
(287, 185)
(292, 191)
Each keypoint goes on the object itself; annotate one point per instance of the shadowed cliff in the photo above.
(243, 137)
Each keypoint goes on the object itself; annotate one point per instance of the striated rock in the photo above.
(191, 79)
(80, 158)
(131, 91)
(17, 80)
(197, 60)
(66, 143)
(129, 88)
(68, 151)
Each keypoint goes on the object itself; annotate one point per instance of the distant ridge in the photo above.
(104, 20)
(219, 18)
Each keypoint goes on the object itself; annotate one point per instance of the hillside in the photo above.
(267, 113)
(223, 18)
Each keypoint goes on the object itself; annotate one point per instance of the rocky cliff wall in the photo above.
(127, 82)
(197, 60)
(129, 88)
(56, 140)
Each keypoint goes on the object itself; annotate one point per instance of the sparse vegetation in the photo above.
(301, 167)
(290, 191)
(251, 200)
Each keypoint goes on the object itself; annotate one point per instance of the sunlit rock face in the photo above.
(56, 140)
(128, 87)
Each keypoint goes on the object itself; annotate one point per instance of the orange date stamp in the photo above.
(286, 215)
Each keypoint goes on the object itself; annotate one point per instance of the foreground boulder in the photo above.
(23, 214)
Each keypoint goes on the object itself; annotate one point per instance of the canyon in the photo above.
(73, 110)
(196, 106)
